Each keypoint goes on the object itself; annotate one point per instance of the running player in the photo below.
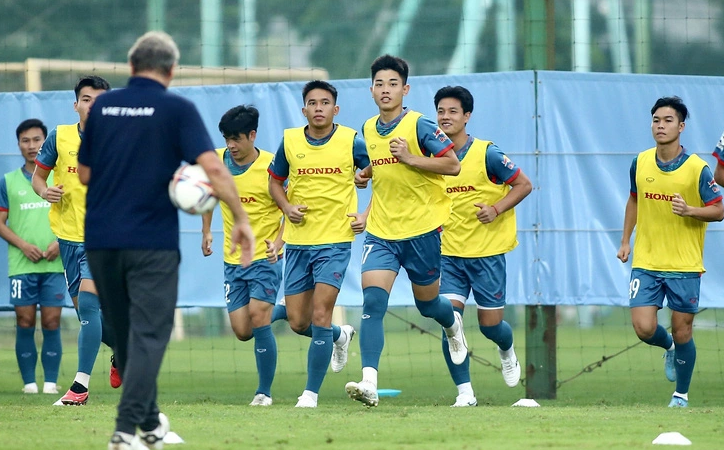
(479, 232)
(66, 194)
(673, 196)
(320, 206)
(409, 155)
(250, 292)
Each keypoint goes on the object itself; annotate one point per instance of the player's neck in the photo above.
(248, 158)
(29, 166)
(390, 115)
(459, 139)
(319, 133)
(667, 152)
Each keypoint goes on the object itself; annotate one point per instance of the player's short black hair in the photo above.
(27, 124)
(319, 84)
(458, 92)
(389, 62)
(676, 103)
(93, 81)
(242, 119)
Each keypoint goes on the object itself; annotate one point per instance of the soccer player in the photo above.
(320, 205)
(410, 155)
(250, 292)
(479, 232)
(66, 195)
(719, 155)
(34, 269)
(673, 196)
(135, 139)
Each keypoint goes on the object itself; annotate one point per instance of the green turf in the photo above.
(207, 383)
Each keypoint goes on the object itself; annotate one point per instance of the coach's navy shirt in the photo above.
(134, 140)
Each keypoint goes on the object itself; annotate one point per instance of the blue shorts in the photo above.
(261, 281)
(485, 276)
(647, 289)
(44, 289)
(306, 267)
(420, 256)
(76, 267)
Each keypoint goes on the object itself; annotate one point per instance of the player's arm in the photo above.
(274, 247)
(278, 172)
(225, 190)
(444, 164)
(206, 236)
(630, 215)
(30, 251)
(39, 182)
(713, 209)
(719, 173)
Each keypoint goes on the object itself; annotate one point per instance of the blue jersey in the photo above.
(499, 168)
(431, 139)
(279, 167)
(134, 140)
(708, 189)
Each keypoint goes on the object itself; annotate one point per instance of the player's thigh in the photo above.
(380, 255)
(454, 281)
(488, 277)
(71, 254)
(50, 317)
(298, 275)
(236, 289)
(300, 308)
(682, 294)
(329, 266)
(421, 257)
(24, 290)
(646, 289)
(682, 326)
(241, 323)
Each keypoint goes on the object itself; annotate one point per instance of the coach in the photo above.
(134, 140)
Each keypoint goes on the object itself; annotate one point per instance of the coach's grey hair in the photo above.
(154, 51)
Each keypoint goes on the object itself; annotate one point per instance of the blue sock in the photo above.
(26, 353)
(51, 353)
(320, 353)
(336, 332)
(265, 351)
(371, 331)
(279, 313)
(685, 358)
(89, 336)
(460, 373)
(661, 338)
(439, 309)
(501, 334)
(307, 332)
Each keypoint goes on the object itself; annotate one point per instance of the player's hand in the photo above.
(272, 251)
(52, 252)
(623, 252)
(363, 177)
(398, 148)
(32, 252)
(359, 223)
(243, 236)
(53, 193)
(679, 206)
(486, 213)
(295, 213)
(206, 240)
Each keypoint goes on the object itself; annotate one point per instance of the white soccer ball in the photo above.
(190, 190)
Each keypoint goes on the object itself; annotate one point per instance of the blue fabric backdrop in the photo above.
(573, 134)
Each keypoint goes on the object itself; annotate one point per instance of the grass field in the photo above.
(207, 383)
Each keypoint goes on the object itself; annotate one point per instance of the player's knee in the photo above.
(682, 335)
(299, 327)
(25, 321)
(644, 331)
(375, 301)
(243, 337)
